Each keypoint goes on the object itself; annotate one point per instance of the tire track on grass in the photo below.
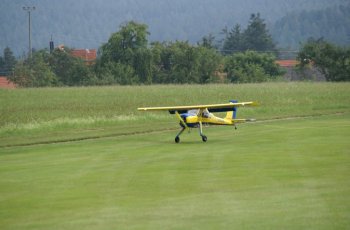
(152, 131)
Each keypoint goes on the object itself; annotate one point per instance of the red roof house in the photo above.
(4, 83)
(287, 63)
(88, 55)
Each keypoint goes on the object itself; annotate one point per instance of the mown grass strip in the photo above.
(284, 174)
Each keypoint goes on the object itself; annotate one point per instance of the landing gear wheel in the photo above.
(177, 139)
(204, 138)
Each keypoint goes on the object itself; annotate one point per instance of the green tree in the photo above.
(251, 66)
(128, 46)
(209, 63)
(160, 62)
(180, 62)
(2, 69)
(34, 72)
(234, 40)
(185, 64)
(122, 44)
(7, 62)
(116, 73)
(207, 41)
(256, 36)
(333, 61)
(143, 65)
(70, 71)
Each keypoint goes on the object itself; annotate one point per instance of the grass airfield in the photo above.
(290, 173)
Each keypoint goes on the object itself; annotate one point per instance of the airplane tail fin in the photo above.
(233, 113)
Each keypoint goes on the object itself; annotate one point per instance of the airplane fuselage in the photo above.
(194, 120)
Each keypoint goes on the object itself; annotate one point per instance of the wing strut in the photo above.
(181, 120)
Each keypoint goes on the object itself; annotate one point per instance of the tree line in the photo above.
(69, 23)
(333, 61)
(128, 58)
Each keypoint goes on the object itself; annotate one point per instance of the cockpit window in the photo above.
(206, 113)
(193, 112)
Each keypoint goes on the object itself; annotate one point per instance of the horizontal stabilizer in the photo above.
(242, 120)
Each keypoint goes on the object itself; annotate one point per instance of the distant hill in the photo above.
(89, 23)
(332, 23)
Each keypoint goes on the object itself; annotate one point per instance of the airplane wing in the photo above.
(211, 108)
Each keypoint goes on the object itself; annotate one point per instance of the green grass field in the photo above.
(72, 158)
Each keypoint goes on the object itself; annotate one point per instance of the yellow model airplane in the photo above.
(196, 116)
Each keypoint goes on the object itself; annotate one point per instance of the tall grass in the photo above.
(58, 109)
(25, 106)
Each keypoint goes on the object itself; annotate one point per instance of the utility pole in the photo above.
(29, 9)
